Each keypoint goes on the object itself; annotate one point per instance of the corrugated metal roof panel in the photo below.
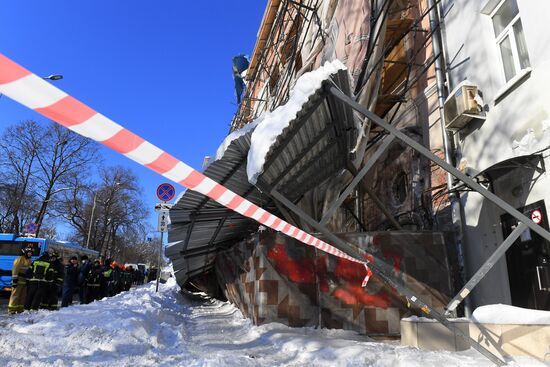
(198, 222)
(313, 147)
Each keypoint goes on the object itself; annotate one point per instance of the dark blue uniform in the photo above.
(69, 284)
(82, 281)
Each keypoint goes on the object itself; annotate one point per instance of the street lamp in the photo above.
(92, 215)
(53, 77)
(91, 221)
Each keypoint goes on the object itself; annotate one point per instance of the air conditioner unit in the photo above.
(461, 107)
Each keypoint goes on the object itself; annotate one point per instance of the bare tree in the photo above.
(122, 206)
(20, 147)
(75, 205)
(135, 246)
(46, 176)
(64, 154)
(118, 214)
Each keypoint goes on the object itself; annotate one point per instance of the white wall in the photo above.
(473, 54)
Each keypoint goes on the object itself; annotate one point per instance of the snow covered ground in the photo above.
(142, 328)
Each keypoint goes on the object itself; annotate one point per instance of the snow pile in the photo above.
(273, 123)
(505, 314)
(133, 328)
(235, 135)
(144, 328)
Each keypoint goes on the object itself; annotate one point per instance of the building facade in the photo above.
(386, 48)
(500, 47)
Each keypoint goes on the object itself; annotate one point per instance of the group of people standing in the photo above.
(36, 284)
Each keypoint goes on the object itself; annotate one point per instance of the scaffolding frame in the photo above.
(301, 14)
(380, 138)
(381, 268)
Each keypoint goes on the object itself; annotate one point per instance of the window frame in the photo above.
(508, 31)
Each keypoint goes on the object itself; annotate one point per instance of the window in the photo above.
(10, 248)
(399, 188)
(13, 248)
(509, 38)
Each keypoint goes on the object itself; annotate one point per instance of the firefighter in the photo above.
(128, 278)
(93, 282)
(116, 279)
(106, 279)
(54, 279)
(82, 276)
(37, 285)
(19, 280)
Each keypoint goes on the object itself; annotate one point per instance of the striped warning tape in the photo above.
(35, 93)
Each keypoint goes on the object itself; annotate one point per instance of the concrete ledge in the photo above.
(428, 334)
(504, 340)
(509, 340)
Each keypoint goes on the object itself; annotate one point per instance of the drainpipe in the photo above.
(456, 210)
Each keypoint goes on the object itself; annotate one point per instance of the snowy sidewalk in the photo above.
(141, 328)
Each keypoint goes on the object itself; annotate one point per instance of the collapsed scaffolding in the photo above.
(392, 67)
(293, 39)
(16, 82)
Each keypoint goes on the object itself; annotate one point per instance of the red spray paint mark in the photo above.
(351, 291)
(352, 295)
(348, 273)
(299, 271)
(395, 257)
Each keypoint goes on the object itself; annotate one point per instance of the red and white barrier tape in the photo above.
(35, 93)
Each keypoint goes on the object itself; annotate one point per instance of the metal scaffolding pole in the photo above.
(484, 269)
(386, 273)
(358, 177)
(372, 195)
(468, 181)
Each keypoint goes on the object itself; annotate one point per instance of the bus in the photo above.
(11, 245)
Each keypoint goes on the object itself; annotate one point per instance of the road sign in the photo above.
(30, 228)
(536, 216)
(166, 192)
(164, 220)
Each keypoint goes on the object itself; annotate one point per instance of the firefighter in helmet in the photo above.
(93, 282)
(38, 286)
(19, 280)
(54, 279)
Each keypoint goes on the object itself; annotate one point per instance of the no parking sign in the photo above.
(536, 216)
(31, 228)
(166, 192)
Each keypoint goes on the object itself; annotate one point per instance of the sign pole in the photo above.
(165, 192)
(160, 259)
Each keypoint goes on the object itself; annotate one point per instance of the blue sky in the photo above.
(161, 69)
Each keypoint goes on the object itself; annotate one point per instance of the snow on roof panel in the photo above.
(315, 144)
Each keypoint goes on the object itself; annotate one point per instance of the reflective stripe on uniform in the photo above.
(23, 271)
(35, 265)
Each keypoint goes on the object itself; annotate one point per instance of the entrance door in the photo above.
(528, 261)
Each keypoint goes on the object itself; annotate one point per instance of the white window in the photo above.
(509, 38)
